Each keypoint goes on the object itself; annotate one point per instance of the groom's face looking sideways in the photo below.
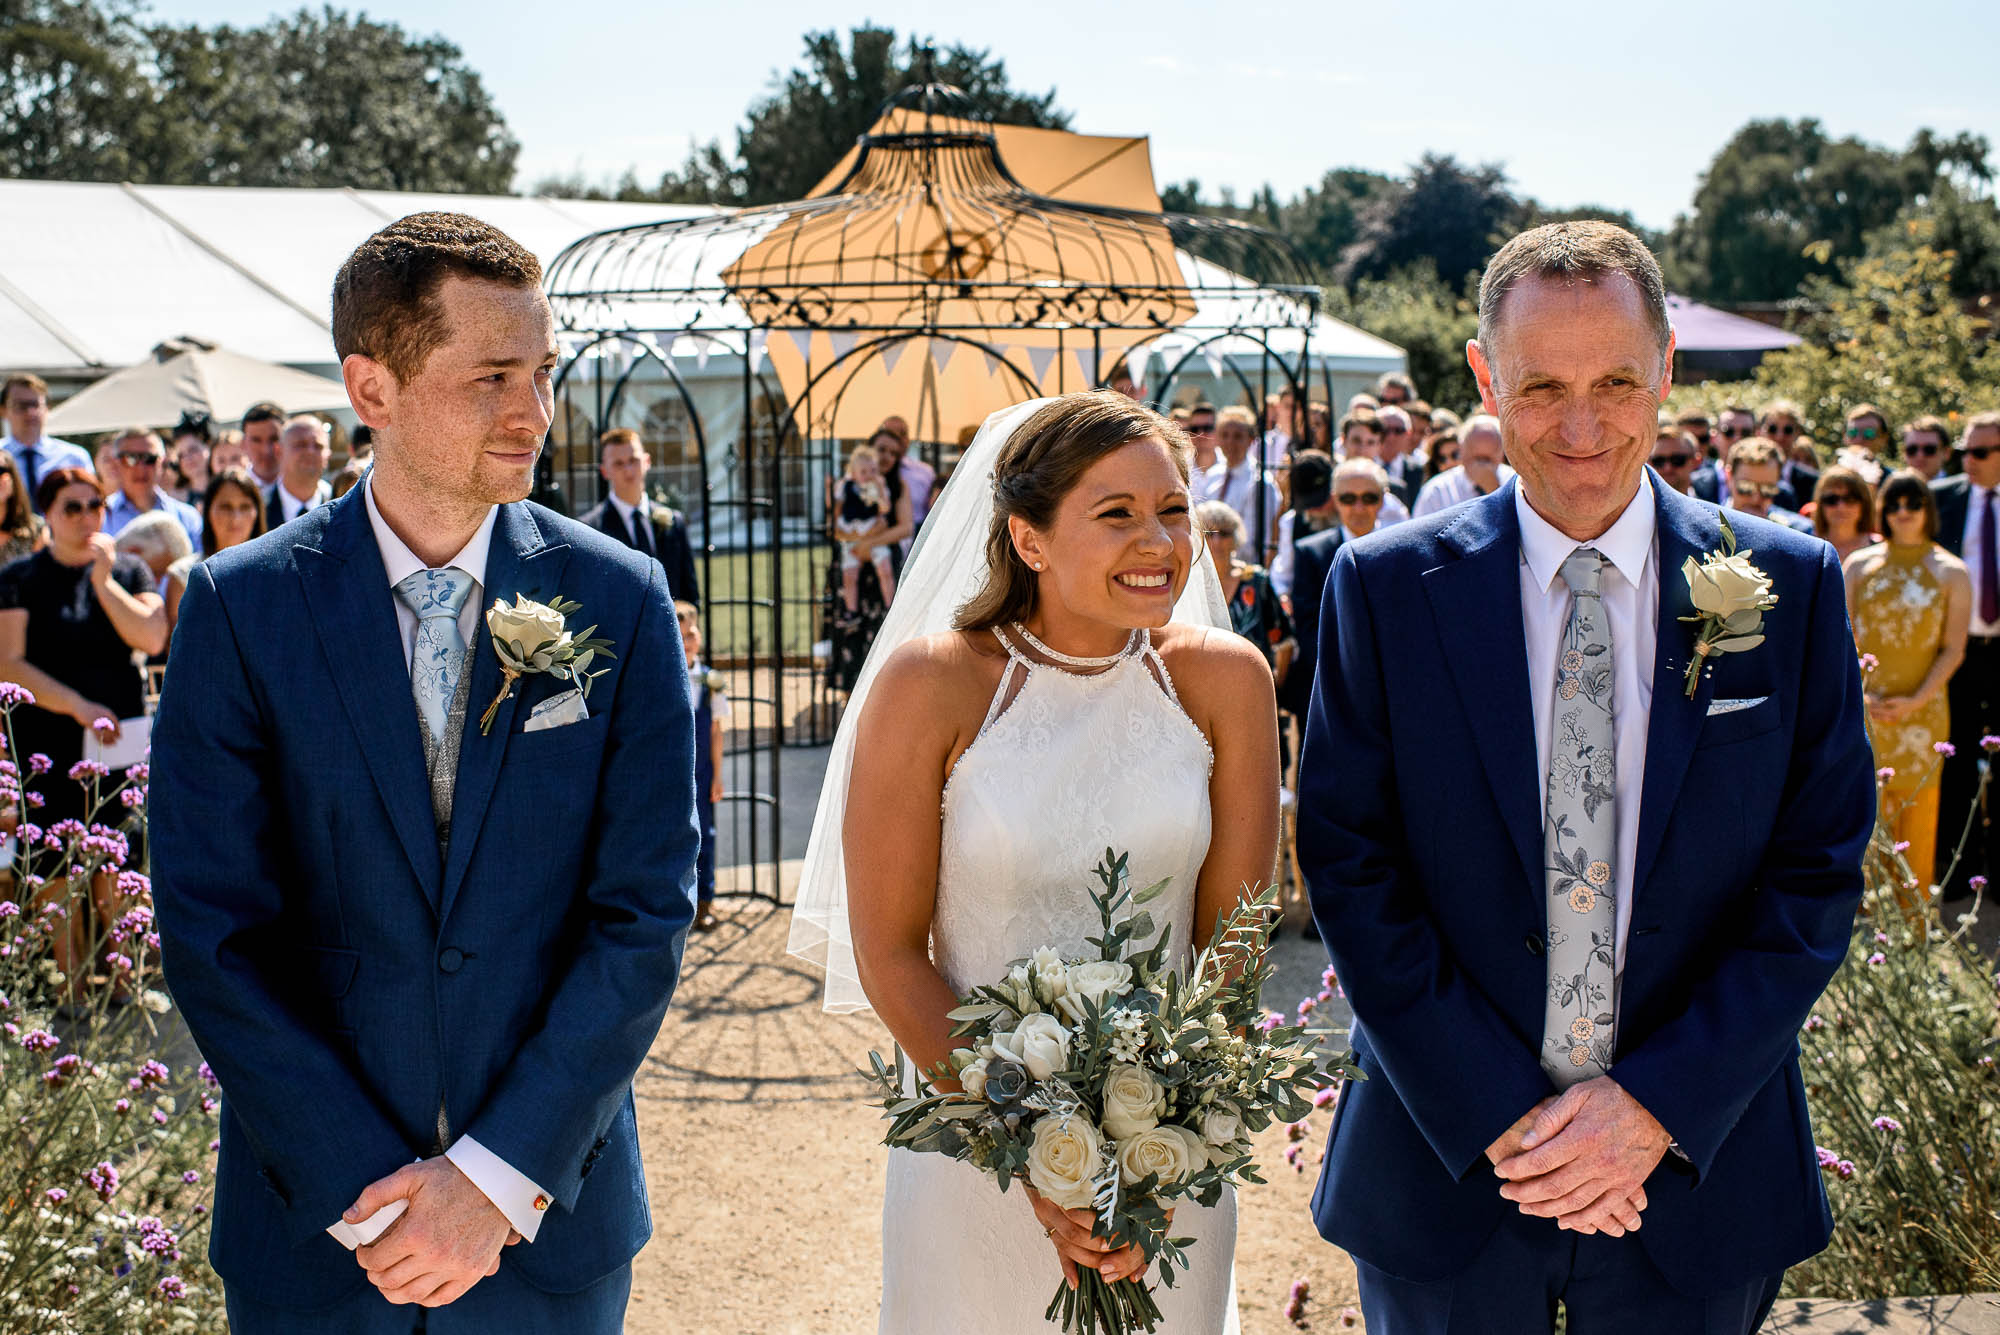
(448, 350)
(1574, 362)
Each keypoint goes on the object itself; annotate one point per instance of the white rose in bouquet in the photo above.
(1039, 1043)
(1063, 1160)
(1221, 1127)
(1173, 1152)
(973, 1076)
(1133, 1101)
(1098, 981)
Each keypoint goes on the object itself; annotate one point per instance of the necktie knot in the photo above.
(1582, 571)
(435, 593)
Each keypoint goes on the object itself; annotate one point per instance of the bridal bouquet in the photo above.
(1116, 1084)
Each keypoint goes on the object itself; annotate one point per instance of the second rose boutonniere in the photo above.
(530, 637)
(1730, 598)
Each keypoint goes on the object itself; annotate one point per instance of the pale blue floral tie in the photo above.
(437, 655)
(1580, 837)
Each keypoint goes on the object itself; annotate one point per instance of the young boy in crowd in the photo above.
(711, 710)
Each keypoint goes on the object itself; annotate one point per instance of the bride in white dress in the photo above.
(1056, 677)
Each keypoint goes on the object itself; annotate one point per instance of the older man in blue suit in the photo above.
(425, 944)
(1580, 899)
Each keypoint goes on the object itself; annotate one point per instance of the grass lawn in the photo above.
(738, 585)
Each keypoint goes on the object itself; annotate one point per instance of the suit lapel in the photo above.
(518, 561)
(1685, 528)
(347, 592)
(1476, 601)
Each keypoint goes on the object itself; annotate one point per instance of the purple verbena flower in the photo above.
(190, 1177)
(1885, 774)
(1886, 1124)
(171, 1288)
(1989, 743)
(56, 1195)
(39, 764)
(40, 1040)
(1945, 749)
(12, 694)
(1877, 958)
(1326, 1097)
(85, 770)
(103, 1180)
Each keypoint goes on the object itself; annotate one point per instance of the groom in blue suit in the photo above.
(1580, 912)
(425, 951)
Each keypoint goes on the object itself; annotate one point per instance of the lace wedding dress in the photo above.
(1066, 765)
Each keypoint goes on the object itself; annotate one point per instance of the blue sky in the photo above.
(1583, 103)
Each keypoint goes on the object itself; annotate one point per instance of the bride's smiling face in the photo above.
(1121, 544)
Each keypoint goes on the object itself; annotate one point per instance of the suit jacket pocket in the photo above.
(548, 743)
(333, 970)
(1740, 724)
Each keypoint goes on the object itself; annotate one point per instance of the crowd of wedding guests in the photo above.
(95, 551)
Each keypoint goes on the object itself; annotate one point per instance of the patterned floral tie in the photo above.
(438, 653)
(1579, 839)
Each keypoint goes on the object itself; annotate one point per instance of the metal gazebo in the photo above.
(926, 282)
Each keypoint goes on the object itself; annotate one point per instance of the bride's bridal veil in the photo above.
(947, 566)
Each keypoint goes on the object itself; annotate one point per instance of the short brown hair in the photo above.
(1583, 251)
(620, 435)
(54, 481)
(385, 302)
(1934, 425)
(1359, 417)
(1980, 421)
(1841, 477)
(1756, 450)
(1041, 461)
(26, 380)
(266, 411)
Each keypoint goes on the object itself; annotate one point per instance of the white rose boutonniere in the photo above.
(530, 637)
(1730, 598)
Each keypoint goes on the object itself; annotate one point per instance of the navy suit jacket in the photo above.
(1421, 842)
(1954, 500)
(342, 974)
(1312, 558)
(670, 544)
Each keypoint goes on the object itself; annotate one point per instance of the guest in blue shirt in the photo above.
(26, 398)
(140, 455)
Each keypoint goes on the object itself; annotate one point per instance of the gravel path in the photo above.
(765, 1165)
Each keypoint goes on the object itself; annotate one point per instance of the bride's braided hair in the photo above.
(1037, 467)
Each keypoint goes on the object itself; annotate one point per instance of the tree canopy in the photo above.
(1778, 186)
(812, 114)
(310, 99)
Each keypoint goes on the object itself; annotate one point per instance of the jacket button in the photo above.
(1534, 945)
(450, 959)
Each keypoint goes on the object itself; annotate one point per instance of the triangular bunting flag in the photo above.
(1086, 362)
(1213, 356)
(843, 341)
(941, 352)
(893, 353)
(758, 338)
(702, 345)
(802, 340)
(1039, 361)
(992, 362)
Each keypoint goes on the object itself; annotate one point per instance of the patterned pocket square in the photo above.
(1731, 706)
(556, 712)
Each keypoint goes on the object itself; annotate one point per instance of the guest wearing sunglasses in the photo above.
(141, 456)
(1863, 440)
(1756, 484)
(71, 616)
(1926, 447)
(1674, 453)
(1911, 605)
(1844, 511)
(1784, 425)
(1969, 528)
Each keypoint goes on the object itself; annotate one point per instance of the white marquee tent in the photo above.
(93, 276)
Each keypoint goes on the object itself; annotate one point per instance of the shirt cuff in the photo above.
(374, 1226)
(513, 1194)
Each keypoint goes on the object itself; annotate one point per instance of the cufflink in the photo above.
(541, 1203)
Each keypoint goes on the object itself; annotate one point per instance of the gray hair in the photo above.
(1480, 422)
(318, 425)
(1574, 252)
(1220, 517)
(1361, 466)
(155, 535)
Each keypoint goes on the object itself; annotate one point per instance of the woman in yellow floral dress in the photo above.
(1911, 604)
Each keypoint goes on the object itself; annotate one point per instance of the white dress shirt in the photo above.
(625, 513)
(1237, 488)
(511, 1192)
(1975, 550)
(1630, 594)
(1450, 487)
(292, 507)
